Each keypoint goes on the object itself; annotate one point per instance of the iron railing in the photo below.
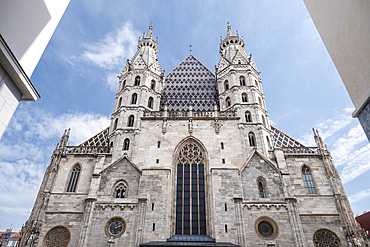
(300, 150)
(87, 149)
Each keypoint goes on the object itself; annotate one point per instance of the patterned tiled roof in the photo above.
(283, 140)
(190, 80)
(100, 139)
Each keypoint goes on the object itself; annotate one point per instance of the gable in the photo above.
(190, 80)
(222, 64)
(283, 140)
(258, 161)
(239, 56)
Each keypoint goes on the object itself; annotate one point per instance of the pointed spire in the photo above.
(149, 35)
(229, 31)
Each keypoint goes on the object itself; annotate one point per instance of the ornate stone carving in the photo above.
(58, 236)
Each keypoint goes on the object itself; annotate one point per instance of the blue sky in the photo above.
(77, 80)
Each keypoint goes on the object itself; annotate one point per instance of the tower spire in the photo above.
(229, 31)
(149, 35)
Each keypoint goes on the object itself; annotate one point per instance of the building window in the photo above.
(111, 144)
(137, 81)
(308, 181)
(226, 84)
(242, 81)
(119, 102)
(252, 139)
(130, 122)
(123, 84)
(225, 228)
(259, 101)
(261, 189)
(73, 179)
(222, 145)
(256, 83)
(126, 144)
(228, 102)
(223, 161)
(152, 85)
(159, 144)
(325, 237)
(190, 192)
(248, 117)
(268, 142)
(150, 102)
(115, 124)
(263, 121)
(244, 97)
(133, 99)
(120, 190)
(225, 207)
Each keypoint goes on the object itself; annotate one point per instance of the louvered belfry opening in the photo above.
(190, 193)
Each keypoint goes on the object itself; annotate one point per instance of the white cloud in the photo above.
(111, 51)
(359, 196)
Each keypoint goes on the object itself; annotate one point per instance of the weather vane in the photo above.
(190, 47)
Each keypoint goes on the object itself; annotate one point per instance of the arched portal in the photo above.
(190, 189)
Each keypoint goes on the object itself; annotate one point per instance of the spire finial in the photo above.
(190, 48)
(229, 31)
(149, 35)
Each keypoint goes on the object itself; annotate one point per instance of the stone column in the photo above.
(141, 221)
(239, 221)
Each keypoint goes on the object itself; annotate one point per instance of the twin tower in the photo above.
(190, 92)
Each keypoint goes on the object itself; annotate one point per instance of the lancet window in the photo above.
(73, 179)
(248, 117)
(115, 124)
(261, 182)
(119, 102)
(152, 85)
(226, 84)
(137, 81)
(150, 102)
(244, 97)
(134, 99)
(120, 190)
(252, 139)
(130, 122)
(242, 81)
(126, 144)
(190, 192)
(308, 181)
(228, 102)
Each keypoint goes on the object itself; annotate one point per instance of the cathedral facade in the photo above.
(190, 159)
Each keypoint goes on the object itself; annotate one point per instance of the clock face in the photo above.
(116, 227)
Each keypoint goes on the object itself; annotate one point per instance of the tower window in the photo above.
(226, 84)
(225, 206)
(137, 81)
(259, 101)
(134, 99)
(153, 206)
(223, 161)
(252, 139)
(268, 142)
(244, 97)
(308, 181)
(225, 228)
(120, 190)
(73, 179)
(123, 84)
(150, 102)
(261, 190)
(159, 144)
(242, 81)
(111, 144)
(228, 102)
(119, 102)
(126, 144)
(157, 161)
(153, 227)
(190, 192)
(115, 124)
(263, 120)
(222, 145)
(131, 119)
(248, 117)
(152, 85)
(256, 83)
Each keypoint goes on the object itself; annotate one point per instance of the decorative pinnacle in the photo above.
(229, 31)
(149, 35)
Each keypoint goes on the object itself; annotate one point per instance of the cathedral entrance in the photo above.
(190, 190)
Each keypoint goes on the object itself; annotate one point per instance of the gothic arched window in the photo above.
(150, 102)
(190, 193)
(308, 181)
(256, 83)
(244, 97)
(261, 183)
(123, 84)
(228, 102)
(325, 237)
(130, 122)
(248, 117)
(268, 142)
(152, 85)
(242, 81)
(73, 179)
(133, 99)
(137, 81)
(263, 120)
(119, 102)
(226, 84)
(259, 101)
(115, 124)
(120, 190)
(126, 144)
(252, 139)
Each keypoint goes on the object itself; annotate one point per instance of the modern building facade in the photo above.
(190, 159)
(26, 27)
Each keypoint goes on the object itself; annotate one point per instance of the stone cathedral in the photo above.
(190, 159)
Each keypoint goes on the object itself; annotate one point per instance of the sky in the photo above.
(77, 80)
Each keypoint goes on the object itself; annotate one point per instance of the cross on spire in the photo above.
(190, 48)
